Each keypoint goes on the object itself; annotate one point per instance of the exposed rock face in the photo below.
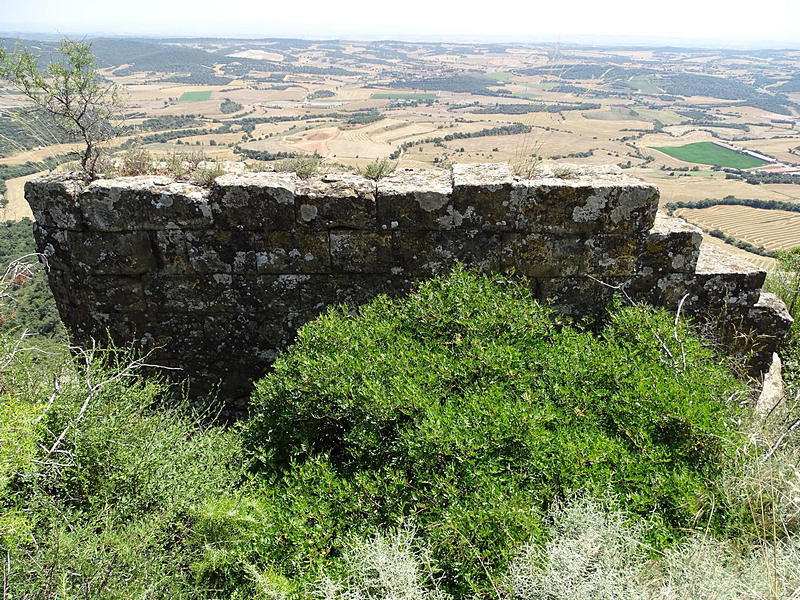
(220, 279)
(773, 388)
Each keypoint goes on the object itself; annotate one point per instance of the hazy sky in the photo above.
(710, 22)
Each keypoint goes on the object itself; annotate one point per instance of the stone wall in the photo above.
(220, 279)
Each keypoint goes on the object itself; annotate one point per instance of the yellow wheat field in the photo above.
(773, 229)
(762, 262)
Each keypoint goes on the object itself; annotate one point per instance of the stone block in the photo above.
(482, 197)
(359, 252)
(663, 289)
(210, 293)
(270, 294)
(113, 253)
(147, 202)
(426, 253)
(672, 246)
(255, 201)
(723, 278)
(769, 321)
(110, 293)
(542, 255)
(610, 255)
(291, 252)
(537, 255)
(589, 200)
(416, 200)
(336, 201)
(577, 297)
(171, 251)
(218, 251)
(53, 199)
(55, 248)
(318, 292)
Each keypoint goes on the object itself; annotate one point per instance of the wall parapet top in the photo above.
(221, 277)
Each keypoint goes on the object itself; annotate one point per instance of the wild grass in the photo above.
(383, 566)
(378, 169)
(302, 164)
(597, 554)
(206, 175)
(101, 473)
(136, 161)
(462, 441)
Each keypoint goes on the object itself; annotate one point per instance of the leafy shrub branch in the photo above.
(69, 89)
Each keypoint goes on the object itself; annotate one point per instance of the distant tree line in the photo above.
(534, 107)
(321, 94)
(734, 201)
(477, 84)
(228, 106)
(741, 244)
(264, 155)
(586, 154)
(170, 122)
(707, 123)
(512, 129)
(758, 177)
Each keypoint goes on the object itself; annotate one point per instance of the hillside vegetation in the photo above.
(461, 441)
(28, 304)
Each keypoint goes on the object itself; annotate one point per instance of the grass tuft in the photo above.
(302, 164)
(378, 169)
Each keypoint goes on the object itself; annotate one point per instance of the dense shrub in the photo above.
(29, 304)
(410, 448)
(99, 482)
(470, 407)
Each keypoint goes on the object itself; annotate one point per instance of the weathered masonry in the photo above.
(220, 279)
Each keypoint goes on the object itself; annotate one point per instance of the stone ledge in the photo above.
(223, 277)
(672, 246)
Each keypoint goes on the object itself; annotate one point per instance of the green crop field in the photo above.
(707, 153)
(403, 96)
(500, 76)
(622, 113)
(195, 96)
(644, 84)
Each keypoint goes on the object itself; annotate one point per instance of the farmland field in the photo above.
(773, 229)
(708, 153)
(653, 112)
(195, 96)
(500, 76)
(403, 96)
(644, 84)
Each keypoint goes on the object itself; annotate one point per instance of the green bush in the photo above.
(206, 175)
(102, 480)
(302, 164)
(228, 106)
(29, 304)
(470, 407)
(378, 169)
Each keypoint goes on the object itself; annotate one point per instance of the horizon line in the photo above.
(587, 40)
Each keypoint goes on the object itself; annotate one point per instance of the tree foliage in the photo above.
(69, 89)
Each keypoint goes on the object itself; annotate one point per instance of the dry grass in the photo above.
(773, 229)
(17, 207)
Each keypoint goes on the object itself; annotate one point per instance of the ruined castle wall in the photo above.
(220, 279)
